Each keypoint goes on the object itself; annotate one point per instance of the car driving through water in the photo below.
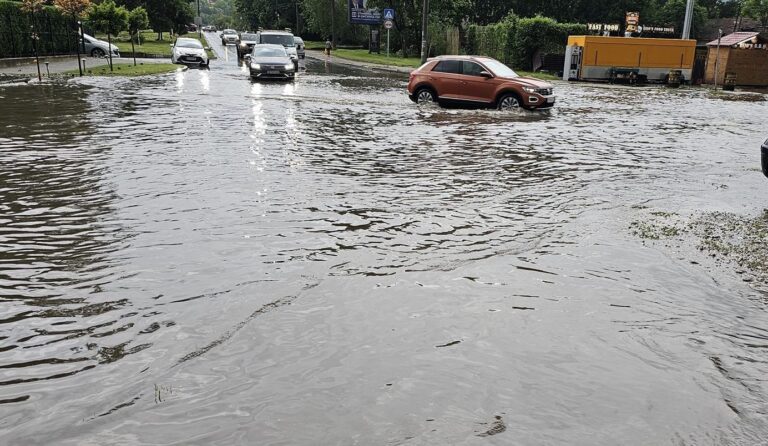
(189, 52)
(247, 42)
(229, 36)
(284, 38)
(478, 80)
(270, 62)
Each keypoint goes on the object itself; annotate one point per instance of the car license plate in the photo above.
(551, 100)
(273, 72)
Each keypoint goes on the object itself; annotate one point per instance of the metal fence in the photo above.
(56, 35)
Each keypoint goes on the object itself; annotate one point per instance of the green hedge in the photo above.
(57, 35)
(515, 40)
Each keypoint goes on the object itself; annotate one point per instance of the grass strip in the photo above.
(127, 70)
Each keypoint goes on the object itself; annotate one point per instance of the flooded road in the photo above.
(198, 259)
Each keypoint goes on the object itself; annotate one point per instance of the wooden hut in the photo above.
(743, 55)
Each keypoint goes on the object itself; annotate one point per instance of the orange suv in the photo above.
(477, 80)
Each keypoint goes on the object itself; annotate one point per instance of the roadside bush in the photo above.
(56, 33)
(515, 40)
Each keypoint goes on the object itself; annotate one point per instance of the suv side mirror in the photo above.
(486, 74)
(247, 57)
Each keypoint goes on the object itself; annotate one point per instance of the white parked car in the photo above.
(98, 48)
(189, 52)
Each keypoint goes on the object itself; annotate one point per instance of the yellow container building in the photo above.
(602, 58)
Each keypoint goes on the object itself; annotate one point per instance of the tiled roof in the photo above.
(734, 39)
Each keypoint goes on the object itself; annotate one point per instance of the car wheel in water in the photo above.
(425, 96)
(98, 52)
(509, 102)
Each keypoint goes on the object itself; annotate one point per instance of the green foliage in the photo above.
(137, 20)
(167, 15)
(758, 10)
(108, 17)
(55, 31)
(515, 40)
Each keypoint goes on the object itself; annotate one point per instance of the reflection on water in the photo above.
(322, 260)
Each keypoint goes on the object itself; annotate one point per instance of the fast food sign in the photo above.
(633, 20)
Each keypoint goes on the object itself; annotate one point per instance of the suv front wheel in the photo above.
(509, 102)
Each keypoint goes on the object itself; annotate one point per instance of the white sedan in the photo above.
(189, 52)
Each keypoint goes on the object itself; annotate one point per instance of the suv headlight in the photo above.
(255, 66)
(529, 89)
(289, 66)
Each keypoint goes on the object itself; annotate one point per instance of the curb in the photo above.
(318, 55)
(20, 61)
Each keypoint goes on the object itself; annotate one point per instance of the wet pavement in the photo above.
(197, 259)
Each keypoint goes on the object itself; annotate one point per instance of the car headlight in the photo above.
(255, 66)
(529, 89)
(289, 66)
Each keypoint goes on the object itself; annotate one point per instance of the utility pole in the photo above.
(424, 30)
(333, 24)
(199, 19)
(688, 20)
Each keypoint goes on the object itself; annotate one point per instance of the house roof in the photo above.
(734, 39)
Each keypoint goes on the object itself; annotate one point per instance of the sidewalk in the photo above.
(59, 64)
(319, 55)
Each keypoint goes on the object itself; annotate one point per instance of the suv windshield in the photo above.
(248, 37)
(269, 52)
(499, 69)
(229, 31)
(277, 39)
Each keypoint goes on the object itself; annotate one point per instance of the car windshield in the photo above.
(269, 52)
(498, 68)
(278, 39)
(248, 37)
(189, 44)
(229, 31)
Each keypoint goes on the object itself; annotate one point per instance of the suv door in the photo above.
(446, 77)
(476, 87)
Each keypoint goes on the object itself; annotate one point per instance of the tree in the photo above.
(172, 15)
(137, 20)
(109, 18)
(33, 7)
(758, 10)
(74, 9)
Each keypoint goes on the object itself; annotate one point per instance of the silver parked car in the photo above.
(189, 52)
(300, 47)
(270, 62)
(98, 48)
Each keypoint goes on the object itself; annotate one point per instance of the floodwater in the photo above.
(198, 259)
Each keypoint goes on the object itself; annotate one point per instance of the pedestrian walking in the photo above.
(328, 46)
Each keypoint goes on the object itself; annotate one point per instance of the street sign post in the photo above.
(388, 24)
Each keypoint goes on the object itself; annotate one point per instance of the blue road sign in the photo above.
(389, 14)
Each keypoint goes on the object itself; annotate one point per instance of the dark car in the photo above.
(247, 42)
(764, 150)
(270, 62)
(477, 80)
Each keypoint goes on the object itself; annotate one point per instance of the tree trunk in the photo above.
(109, 49)
(133, 48)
